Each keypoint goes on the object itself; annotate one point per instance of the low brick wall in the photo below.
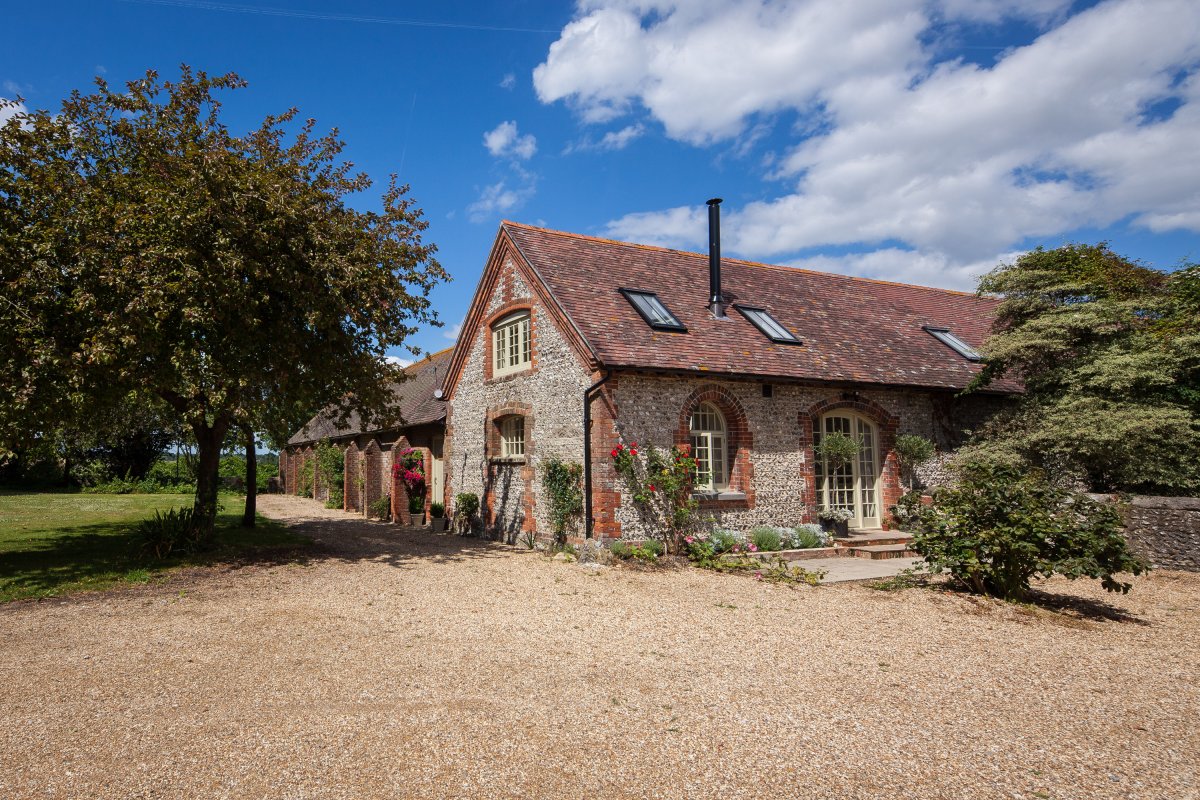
(1166, 530)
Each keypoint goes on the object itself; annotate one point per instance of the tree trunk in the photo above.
(208, 457)
(251, 478)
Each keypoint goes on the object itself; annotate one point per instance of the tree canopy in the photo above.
(1109, 352)
(146, 247)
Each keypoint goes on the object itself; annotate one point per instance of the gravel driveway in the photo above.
(413, 665)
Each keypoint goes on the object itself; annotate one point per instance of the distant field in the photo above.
(52, 544)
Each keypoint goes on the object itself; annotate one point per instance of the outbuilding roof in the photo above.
(852, 330)
(416, 401)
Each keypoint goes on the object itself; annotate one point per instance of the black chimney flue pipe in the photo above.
(716, 302)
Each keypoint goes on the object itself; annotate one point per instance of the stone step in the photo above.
(874, 538)
(878, 551)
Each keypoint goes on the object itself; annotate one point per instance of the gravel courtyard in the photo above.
(393, 664)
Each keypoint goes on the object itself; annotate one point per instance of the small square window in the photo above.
(956, 344)
(512, 437)
(652, 310)
(770, 327)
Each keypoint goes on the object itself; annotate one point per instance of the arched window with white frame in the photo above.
(709, 448)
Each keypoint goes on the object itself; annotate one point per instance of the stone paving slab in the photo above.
(858, 569)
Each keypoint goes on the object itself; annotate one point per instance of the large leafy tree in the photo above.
(146, 247)
(1109, 352)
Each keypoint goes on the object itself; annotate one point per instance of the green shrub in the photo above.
(648, 551)
(330, 461)
(805, 537)
(1001, 526)
(654, 547)
(336, 497)
(907, 511)
(723, 541)
(466, 506)
(381, 508)
(164, 534)
(436, 510)
(766, 539)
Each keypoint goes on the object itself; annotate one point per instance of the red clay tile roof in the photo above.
(854, 330)
(417, 404)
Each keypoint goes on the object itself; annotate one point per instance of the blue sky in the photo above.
(901, 139)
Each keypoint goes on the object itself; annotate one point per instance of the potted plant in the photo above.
(416, 508)
(437, 517)
(835, 520)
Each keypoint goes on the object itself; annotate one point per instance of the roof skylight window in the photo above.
(956, 344)
(652, 310)
(770, 327)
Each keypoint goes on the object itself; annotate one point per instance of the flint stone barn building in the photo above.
(573, 341)
(575, 344)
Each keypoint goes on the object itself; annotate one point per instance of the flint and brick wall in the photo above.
(1165, 530)
(769, 438)
(550, 396)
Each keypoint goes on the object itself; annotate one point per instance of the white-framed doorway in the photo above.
(437, 470)
(855, 485)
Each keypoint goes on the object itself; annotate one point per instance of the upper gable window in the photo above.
(652, 310)
(947, 338)
(510, 343)
(770, 327)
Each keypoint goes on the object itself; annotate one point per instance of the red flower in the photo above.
(615, 451)
(651, 488)
(632, 451)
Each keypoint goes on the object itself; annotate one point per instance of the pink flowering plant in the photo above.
(726, 551)
(410, 468)
(660, 483)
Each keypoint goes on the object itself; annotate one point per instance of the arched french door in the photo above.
(854, 485)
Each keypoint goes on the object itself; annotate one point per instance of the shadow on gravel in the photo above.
(1083, 608)
(354, 539)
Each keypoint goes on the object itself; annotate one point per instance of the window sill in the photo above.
(508, 460)
(508, 376)
(720, 497)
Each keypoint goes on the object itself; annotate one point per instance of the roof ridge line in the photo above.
(747, 262)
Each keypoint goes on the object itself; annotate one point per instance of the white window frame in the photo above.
(511, 345)
(512, 437)
(705, 442)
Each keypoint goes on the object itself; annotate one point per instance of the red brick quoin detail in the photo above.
(510, 307)
(887, 424)
(738, 440)
(495, 415)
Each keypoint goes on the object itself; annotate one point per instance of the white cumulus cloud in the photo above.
(506, 140)
(1090, 123)
(497, 199)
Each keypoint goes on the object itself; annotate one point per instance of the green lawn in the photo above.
(51, 544)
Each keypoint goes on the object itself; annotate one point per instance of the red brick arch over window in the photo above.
(887, 424)
(738, 439)
(513, 306)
